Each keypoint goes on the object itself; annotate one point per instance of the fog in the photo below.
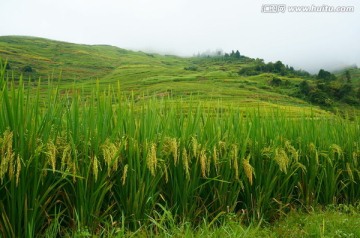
(304, 40)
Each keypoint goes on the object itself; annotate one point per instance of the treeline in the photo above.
(327, 88)
(277, 68)
(220, 54)
(322, 89)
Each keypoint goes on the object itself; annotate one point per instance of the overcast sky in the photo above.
(185, 27)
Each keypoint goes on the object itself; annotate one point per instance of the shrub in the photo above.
(276, 82)
(27, 69)
(191, 68)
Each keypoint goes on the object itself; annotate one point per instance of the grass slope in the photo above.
(147, 75)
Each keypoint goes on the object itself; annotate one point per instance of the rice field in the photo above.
(73, 161)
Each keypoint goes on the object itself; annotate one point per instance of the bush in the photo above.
(276, 82)
(319, 97)
(351, 100)
(191, 68)
(249, 71)
(27, 69)
(304, 87)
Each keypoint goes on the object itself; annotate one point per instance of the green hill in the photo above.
(143, 75)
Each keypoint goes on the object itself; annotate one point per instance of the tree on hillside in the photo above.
(279, 68)
(237, 55)
(343, 91)
(269, 67)
(325, 75)
(319, 97)
(304, 87)
(347, 75)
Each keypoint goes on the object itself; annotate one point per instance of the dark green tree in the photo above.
(348, 75)
(279, 68)
(319, 97)
(304, 87)
(343, 91)
(269, 67)
(237, 55)
(325, 75)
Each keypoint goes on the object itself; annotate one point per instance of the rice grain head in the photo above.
(51, 154)
(123, 178)
(222, 146)
(118, 159)
(186, 166)
(267, 152)
(312, 147)
(234, 159)
(336, 150)
(11, 169)
(290, 149)
(194, 143)
(7, 154)
(281, 159)
(314, 151)
(109, 151)
(66, 157)
(248, 169)
(152, 159)
(170, 147)
(174, 150)
(203, 162)
(215, 158)
(95, 167)
(18, 169)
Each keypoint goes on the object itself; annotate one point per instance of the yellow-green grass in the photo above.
(339, 221)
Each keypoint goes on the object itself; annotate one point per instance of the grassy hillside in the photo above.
(208, 79)
(48, 57)
(162, 145)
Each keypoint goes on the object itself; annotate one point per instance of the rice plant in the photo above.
(74, 161)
